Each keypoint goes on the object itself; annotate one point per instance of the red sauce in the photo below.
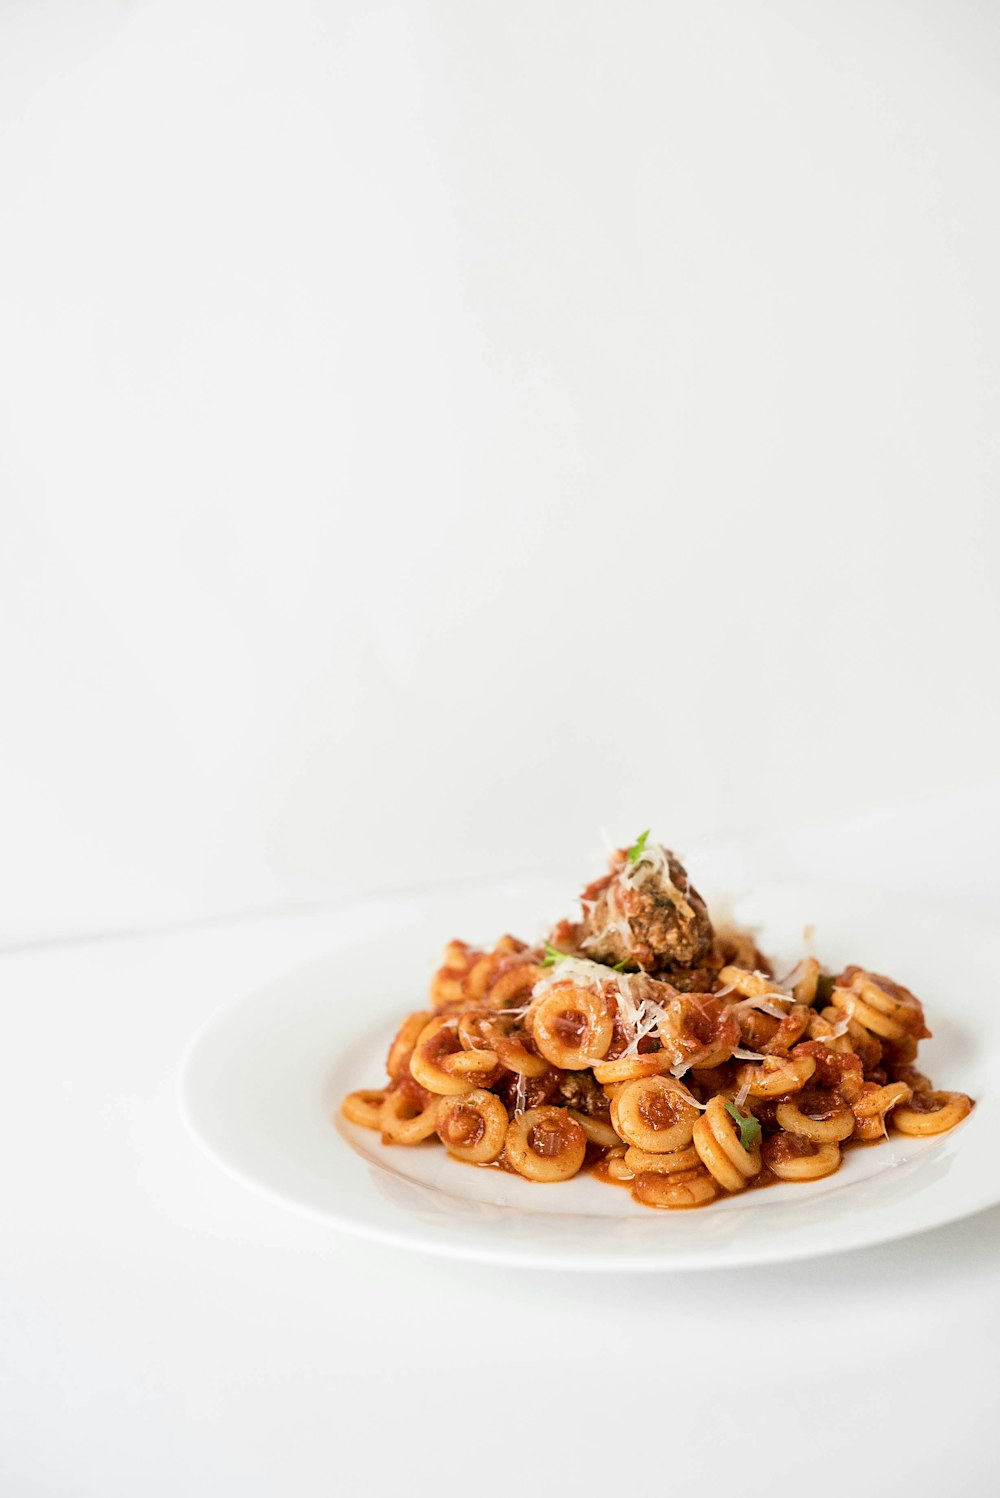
(831, 1066)
(925, 1102)
(444, 1043)
(781, 1148)
(816, 1104)
(552, 1136)
(462, 1127)
(657, 1109)
(570, 1027)
(599, 1169)
(415, 1096)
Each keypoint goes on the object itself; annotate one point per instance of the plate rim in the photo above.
(463, 1243)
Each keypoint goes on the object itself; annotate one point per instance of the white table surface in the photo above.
(165, 1331)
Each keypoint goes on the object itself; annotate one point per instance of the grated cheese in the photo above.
(638, 1013)
(654, 862)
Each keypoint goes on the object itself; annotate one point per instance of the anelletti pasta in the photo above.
(657, 1049)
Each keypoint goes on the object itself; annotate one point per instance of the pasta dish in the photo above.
(655, 1048)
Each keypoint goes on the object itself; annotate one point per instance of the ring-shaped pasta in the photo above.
(902, 1052)
(870, 1130)
(839, 1071)
(857, 1041)
(792, 1158)
(790, 1029)
(613, 1167)
(516, 983)
(478, 978)
(483, 972)
(777, 1075)
(825, 1029)
(475, 1034)
(656, 1114)
(364, 1107)
(932, 1113)
(881, 1099)
(448, 983)
(480, 1066)
(597, 1130)
(572, 1027)
(894, 1000)
(700, 1030)
(545, 1144)
(471, 1027)
(688, 1188)
(807, 983)
(750, 985)
(473, 1126)
(397, 1063)
(405, 1122)
(441, 1066)
(506, 1037)
(631, 1068)
(830, 1121)
(884, 1025)
(637, 1160)
(914, 1079)
(717, 1140)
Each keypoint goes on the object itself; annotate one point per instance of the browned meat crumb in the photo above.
(580, 1090)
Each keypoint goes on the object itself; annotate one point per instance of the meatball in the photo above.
(579, 1090)
(645, 913)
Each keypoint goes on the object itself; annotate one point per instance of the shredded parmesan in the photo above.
(654, 862)
(616, 923)
(579, 971)
(517, 1013)
(638, 1013)
(839, 1029)
(763, 1002)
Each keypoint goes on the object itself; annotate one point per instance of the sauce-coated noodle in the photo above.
(717, 1140)
(792, 1158)
(688, 1188)
(472, 1127)
(932, 1112)
(364, 1108)
(655, 1114)
(572, 1027)
(545, 1144)
(406, 1121)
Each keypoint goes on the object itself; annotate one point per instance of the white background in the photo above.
(433, 432)
(430, 433)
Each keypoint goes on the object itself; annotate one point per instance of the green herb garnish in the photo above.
(638, 847)
(620, 967)
(748, 1126)
(553, 955)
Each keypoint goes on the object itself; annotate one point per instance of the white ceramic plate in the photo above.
(261, 1085)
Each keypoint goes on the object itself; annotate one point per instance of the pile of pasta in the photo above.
(543, 1063)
